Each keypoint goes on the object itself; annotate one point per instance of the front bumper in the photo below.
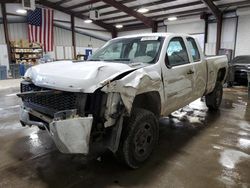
(70, 135)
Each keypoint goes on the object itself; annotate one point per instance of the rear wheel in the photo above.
(213, 100)
(139, 137)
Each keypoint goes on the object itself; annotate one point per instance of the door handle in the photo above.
(190, 72)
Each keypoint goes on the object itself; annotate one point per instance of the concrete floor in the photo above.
(196, 149)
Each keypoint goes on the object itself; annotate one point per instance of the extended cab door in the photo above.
(200, 68)
(178, 75)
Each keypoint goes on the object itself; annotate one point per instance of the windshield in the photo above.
(130, 50)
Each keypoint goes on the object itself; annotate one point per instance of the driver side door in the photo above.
(178, 75)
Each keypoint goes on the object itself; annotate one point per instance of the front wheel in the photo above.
(213, 100)
(139, 137)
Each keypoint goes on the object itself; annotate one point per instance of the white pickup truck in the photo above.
(113, 100)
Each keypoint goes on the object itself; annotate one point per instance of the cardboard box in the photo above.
(24, 43)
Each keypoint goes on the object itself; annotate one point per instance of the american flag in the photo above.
(40, 27)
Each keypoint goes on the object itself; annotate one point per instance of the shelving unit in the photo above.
(29, 54)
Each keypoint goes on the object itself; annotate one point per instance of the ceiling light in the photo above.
(142, 10)
(21, 11)
(88, 21)
(172, 18)
(119, 26)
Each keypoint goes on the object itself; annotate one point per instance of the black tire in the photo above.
(139, 137)
(213, 99)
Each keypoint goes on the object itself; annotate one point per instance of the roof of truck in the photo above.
(153, 34)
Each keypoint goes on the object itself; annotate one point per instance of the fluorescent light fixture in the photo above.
(88, 21)
(172, 18)
(119, 26)
(21, 11)
(142, 10)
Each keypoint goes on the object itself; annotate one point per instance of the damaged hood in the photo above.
(77, 76)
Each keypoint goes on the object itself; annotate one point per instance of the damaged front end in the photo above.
(88, 118)
(76, 121)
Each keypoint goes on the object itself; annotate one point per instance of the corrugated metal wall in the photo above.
(62, 37)
(63, 43)
(228, 33)
(124, 33)
(85, 41)
(4, 55)
(196, 27)
(2, 36)
(18, 31)
(243, 36)
(0, 11)
(211, 39)
(227, 36)
(3, 49)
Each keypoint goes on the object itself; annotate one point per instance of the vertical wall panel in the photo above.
(196, 27)
(162, 29)
(211, 39)
(68, 52)
(243, 36)
(124, 33)
(59, 52)
(62, 37)
(18, 31)
(1, 11)
(4, 59)
(228, 33)
(86, 41)
(2, 36)
(63, 43)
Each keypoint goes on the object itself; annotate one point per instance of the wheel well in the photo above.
(150, 101)
(221, 74)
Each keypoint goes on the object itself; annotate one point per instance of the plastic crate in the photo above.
(3, 72)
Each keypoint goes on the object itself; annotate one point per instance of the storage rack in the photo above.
(26, 53)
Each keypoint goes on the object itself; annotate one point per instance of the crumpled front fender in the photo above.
(137, 82)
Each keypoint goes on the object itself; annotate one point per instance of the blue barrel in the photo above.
(22, 69)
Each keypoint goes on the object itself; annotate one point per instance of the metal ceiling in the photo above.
(115, 11)
(124, 12)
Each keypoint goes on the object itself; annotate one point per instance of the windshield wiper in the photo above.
(94, 60)
(118, 59)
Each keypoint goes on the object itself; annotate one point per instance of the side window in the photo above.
(194, 49)
(177, 52)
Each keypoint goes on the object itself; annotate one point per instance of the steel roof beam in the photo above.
(142, 5)
(164, 9)
(105, 6)
(49, 4)
(147, 21)
(213, 8)
(83, 4)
